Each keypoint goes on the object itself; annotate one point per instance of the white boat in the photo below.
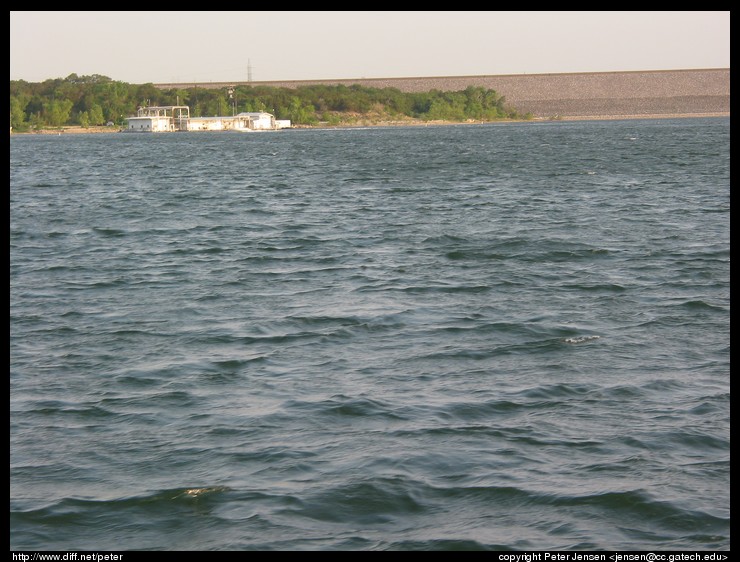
(170, 118)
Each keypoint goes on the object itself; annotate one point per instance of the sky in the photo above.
(221, 46)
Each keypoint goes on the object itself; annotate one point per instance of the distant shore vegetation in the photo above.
(90, 101)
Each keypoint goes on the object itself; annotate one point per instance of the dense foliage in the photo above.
(98, 100)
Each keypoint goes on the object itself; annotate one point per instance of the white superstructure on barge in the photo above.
(171, 118)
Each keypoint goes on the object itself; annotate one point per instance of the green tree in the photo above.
(103, 99)
(148, 94)
(56, 112)
(96, 115)
(300, 112)
(216, 105)
(18, 113)
(35, 121)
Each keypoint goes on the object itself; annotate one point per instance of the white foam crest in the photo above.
(581, 339)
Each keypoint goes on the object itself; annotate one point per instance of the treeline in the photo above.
(98, 100)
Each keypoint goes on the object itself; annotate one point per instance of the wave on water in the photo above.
(581, 339)
(422, 516)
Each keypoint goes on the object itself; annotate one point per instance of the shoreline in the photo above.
(76, 130)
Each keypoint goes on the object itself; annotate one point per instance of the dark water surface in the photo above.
(510, 336)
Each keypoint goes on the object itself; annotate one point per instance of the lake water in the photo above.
(508, 336)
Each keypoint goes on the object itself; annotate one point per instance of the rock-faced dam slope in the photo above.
(587, 95)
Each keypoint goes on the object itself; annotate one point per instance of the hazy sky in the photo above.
(141, 47)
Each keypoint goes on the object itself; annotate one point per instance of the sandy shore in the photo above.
(69, 130)
(406, 123)
(416, 123)
(644, 116)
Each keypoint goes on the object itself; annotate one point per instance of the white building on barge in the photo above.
(171, 118)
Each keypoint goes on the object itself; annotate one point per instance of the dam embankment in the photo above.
(586, 95)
